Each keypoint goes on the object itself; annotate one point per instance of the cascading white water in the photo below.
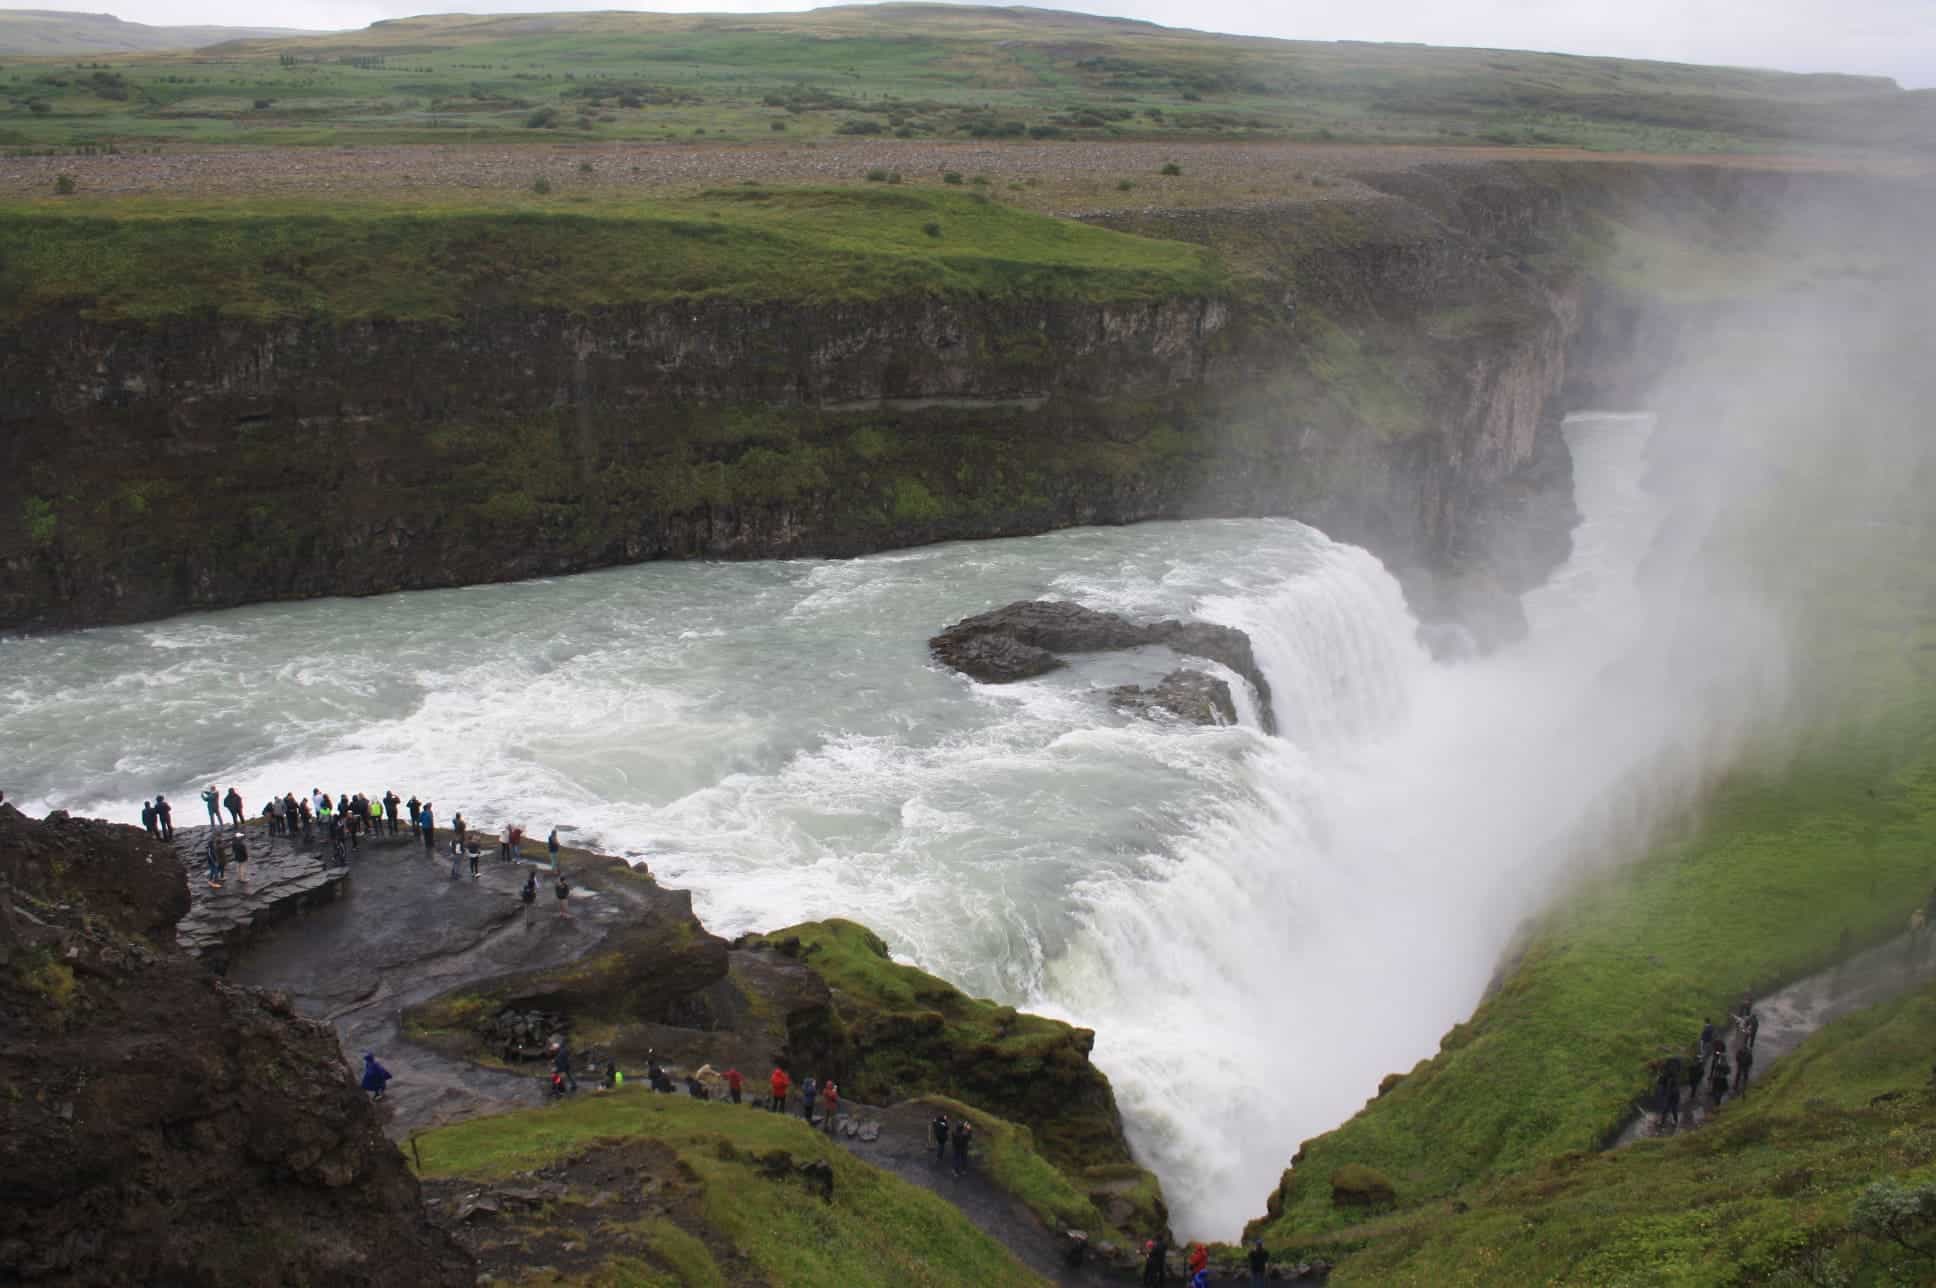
(1257, 928)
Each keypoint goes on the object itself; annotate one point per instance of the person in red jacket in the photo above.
(733, 1081)
(780, 1084)
(1199, 1258)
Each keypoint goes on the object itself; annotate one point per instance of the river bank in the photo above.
(399, 958)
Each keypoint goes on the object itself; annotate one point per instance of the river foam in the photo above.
(1257, 928)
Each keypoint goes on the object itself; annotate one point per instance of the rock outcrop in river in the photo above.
(1024, 639)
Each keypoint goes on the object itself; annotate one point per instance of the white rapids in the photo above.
(1257, 928)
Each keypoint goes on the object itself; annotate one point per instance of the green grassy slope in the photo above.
(1762, 1195)
(722, 1200)
(354, 262)
(1782, 867)
(51, 33)
(920, 71)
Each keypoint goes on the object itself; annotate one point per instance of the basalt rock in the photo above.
(162, 1126)
(1187, 695)
(1036, 629)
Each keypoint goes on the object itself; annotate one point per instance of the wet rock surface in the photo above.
(404, 930)
(1187, 695)
(164, 1126)
(281, 879)
(1000, 646)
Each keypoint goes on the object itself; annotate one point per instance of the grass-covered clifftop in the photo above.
(153, 260)
(917, 71)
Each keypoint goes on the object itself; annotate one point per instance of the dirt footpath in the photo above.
(1066, 178)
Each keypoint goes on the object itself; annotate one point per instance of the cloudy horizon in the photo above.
(1867, 37)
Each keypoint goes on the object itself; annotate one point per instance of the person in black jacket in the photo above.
(1718, 1076)
(165, 817)
(1156, 1261)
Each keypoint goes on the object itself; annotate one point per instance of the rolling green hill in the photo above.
(924, 71)
(51, 32)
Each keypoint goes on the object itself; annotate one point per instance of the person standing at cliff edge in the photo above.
(213, 852)
(239, 850)
(233, 804)
(375, 1076)
(427, 816)
(780, 1083)
(165, 817)
(530, 896)
(213, 803)
(390, 803)
(551, 844)
(148, 819)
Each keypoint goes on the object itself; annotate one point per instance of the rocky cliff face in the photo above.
(159, 1126)
(1391, 370)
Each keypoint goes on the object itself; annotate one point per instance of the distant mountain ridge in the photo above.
(54, 32)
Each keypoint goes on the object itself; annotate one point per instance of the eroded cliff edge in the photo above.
(1391, 370)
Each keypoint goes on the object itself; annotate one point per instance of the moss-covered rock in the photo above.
(1355, 1185)
(891, 1032)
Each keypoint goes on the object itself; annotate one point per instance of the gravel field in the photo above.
(1065, 178)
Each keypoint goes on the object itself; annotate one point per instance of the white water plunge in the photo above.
(1257, 928)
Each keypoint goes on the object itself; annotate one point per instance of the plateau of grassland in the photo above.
(916, 71)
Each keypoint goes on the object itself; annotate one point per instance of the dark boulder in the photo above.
(1187, 695)
(1003, 644)
(1000, 659)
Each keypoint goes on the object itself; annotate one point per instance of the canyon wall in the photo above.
(1390, 368)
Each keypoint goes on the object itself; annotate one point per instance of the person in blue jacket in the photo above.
(375, 1076)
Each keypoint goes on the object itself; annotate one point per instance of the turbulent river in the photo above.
(1257, 928)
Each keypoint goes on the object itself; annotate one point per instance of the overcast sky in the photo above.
(1884, 37)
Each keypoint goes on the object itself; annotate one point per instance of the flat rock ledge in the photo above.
(283, 879)
(1027, 638)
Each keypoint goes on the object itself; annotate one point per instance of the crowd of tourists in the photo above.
(1709, 1068)
(342, 824)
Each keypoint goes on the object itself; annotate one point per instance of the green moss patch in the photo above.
(352, 262)
(724, 1197)
(897, 1032)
